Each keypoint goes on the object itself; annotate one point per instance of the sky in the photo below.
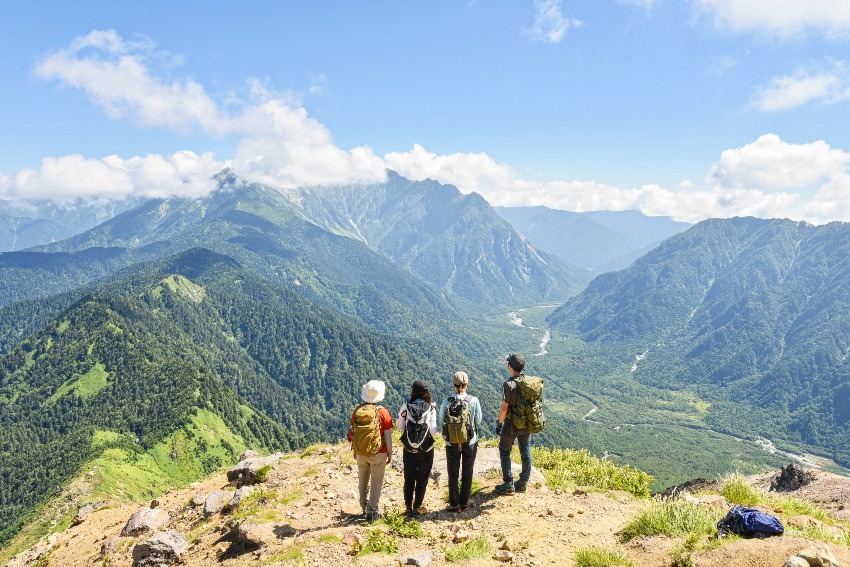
(684, 108)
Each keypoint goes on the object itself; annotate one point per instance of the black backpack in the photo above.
(416, 436)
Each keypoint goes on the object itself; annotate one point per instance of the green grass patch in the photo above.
(328, 538)
(377, 541)
(564, 467)
(402, 526)
(476, 548)
(85, 386)
(311, 450)
(672, 518)
(602, 557)
(735, 489)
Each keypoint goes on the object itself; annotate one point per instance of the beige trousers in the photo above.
(370, 473)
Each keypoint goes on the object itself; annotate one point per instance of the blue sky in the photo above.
(689, 108)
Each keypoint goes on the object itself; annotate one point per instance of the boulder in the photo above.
(791, 477)
(82, 514)
(251, 470)
(796, 561)
(160, 550)
(197, 500)
(144, 521)
(112, 545)
(819, 556)
(249, 454)
(238, 496)
(216, 502)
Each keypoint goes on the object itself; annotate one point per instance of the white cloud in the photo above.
(279, 143)
(550, 24)
(781, 18)
(803, 87)
(770, 164)
(73, 177)
(500, 185)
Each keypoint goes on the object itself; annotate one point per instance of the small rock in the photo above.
(216, 502)
(796, 561)
(154, 504)
(352, 539)
(819, 557)
(160, 550)
(510, 545)
(461, 536)
(422, 559)
(145, 520)
(249, 454)
(197, 500)
(579, 492)
(112, 545)
(504, 556)
(261, 534)
(238, 496)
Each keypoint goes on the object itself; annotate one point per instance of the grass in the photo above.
(311, 450)
(564, 468)
(736, 490)
(672, 518)
(85, 386)
(401, 526)
(477, 548)
(328, 538)
(601, 557)
(376, 542)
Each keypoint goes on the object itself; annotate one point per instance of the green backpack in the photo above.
(365, 431)
(528, 411)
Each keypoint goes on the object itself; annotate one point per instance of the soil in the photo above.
(541, 526)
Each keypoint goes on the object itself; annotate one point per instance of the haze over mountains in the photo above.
(178, 332)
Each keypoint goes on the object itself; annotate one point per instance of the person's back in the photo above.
(509, 432)
(460, 414)
(371, 440)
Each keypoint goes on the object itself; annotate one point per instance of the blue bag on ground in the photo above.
(749, 522)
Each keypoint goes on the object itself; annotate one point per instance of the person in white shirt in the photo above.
(461, 458)
(417, 419)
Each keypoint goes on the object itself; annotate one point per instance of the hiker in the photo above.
(460, 414)
(372, 441)
(417, 419)
(515, 423)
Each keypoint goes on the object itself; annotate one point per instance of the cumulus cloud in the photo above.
(73, 177)
(770, 163)
(785, 18)
(803, 87)
(550, 23)
(279, 143)
(501, 186)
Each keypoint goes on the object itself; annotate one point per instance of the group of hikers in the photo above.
(458, 420)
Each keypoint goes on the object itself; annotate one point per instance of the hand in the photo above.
(389, 457)
(499, 427)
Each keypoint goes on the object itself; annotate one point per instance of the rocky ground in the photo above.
(303, 510)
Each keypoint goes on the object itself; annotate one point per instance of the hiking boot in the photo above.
(519, 486)
(452, 509)
(421, 511)
(506, 488)
(372, 517)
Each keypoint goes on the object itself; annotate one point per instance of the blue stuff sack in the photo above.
(749, 522)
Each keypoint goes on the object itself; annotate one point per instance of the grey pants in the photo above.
(370, 476)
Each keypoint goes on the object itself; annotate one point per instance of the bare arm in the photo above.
(388, 439)
(503, 412)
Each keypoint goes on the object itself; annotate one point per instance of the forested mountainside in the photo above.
(145, 371)
(752, 314)
(456, 242)
(28, 222)
(598, 241)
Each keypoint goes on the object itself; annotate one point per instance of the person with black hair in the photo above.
(508, 433)
(417, 419)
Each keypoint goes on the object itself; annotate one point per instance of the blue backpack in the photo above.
(749, 522)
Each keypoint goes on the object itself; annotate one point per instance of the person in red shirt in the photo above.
(371, 467)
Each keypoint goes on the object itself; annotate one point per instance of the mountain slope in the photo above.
(161, 352)
(457, 242)
(744, 311)
(597, 241)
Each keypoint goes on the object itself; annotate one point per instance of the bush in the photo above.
(672, 518)
(377, 542)
(565, 467)
(403, 527)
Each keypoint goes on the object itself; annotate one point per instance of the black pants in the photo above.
(454, 457)
(417, 470)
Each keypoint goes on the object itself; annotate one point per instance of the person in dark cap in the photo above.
(508, 433)
(417, 419)
(460, 455)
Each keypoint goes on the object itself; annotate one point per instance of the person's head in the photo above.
(516, 362)
(420, 391)
(460, 381)
(373, 392)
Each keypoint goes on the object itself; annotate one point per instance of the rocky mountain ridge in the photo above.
(303, 509)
